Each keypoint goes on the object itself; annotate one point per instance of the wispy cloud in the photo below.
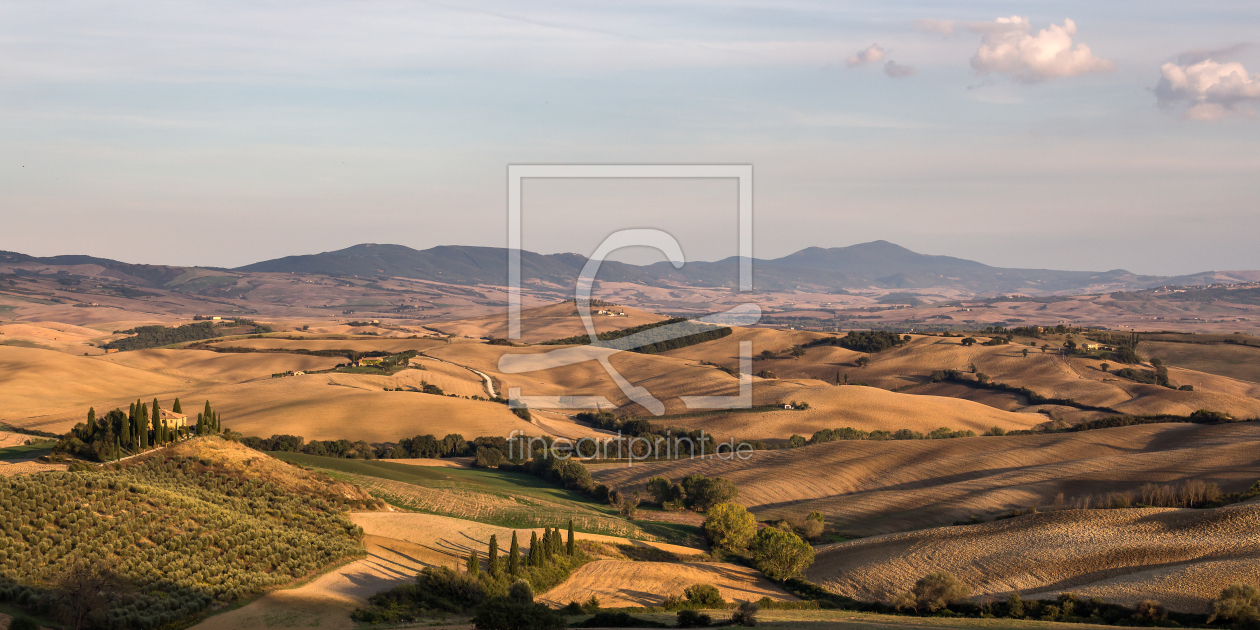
(898, 71)
(870, 54)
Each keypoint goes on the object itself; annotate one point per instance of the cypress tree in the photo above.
(571, 547)
(91, 420)
(514, 557)
(535, 554)
(474, 563)
(176, 408)
(157, 429)
(124, 433)
(492, 561)
(208, 411)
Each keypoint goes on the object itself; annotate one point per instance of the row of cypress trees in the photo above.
(542, 552)
(141, 428)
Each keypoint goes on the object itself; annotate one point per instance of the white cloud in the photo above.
(1209, 89)
(1009, 47)
(929, 25)
(898, 71)
(872, 54)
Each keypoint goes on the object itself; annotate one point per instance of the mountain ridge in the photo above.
(872, 265)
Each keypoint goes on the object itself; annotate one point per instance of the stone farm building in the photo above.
(174, 420)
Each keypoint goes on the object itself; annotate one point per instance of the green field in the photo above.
(25, 453)
(1226, 359)
(488, 496)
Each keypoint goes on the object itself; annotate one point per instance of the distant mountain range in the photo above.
(878, 264)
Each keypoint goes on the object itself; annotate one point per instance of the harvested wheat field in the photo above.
(454, 538)
(1049, 375)
(664, 377)
(1180, 557)
(875, 487)
(204, 366)
(866, 408)
(358, 344)
(618, 583)
(555, 321)
(27, 468)
(325, 407)
(36, 382)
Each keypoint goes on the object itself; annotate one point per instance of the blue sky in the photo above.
(228, 132)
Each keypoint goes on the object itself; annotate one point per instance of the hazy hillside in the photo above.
(878, 264)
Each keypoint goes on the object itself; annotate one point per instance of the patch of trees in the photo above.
(650, 338)
(117, 434)
(418, 447)
(868, 341)
(164, 537)
(778, 554)
(499, 591)
(848, 433)
(695, 492)
(158, 336)
(1192, 493)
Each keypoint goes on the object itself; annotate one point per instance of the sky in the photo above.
(1065, 135)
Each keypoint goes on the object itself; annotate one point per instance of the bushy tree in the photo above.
(704, 492)
(933, 592)
(704, 596)
(1239, 603)
(779, 554)
(745, 614)
(729, 526)
(1150, 610)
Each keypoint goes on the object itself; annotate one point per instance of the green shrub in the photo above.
(932, 593)
(618, 620)
(779, 554)
(704, 596)
(1239, 603)
(729, 526)
(22, 622)
(692, 619)
(745, 614)
(503, 613)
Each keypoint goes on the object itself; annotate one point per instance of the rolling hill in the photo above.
(1180, 557)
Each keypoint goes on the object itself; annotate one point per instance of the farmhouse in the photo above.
(174, 420)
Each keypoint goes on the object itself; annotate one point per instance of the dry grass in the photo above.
(1182, 558)
(867, 488)
(622, 584)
